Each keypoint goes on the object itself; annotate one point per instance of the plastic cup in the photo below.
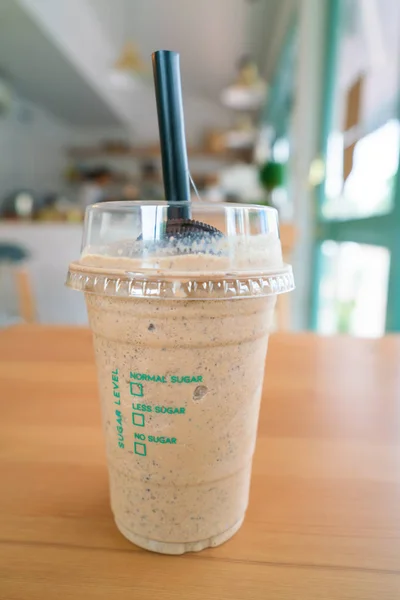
(180, 328)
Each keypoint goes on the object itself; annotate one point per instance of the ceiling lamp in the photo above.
(249, 90)
(128, 67)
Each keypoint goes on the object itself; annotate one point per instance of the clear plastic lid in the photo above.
(141, 249)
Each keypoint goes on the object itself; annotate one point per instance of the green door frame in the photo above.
(277, 109)
(380, 230)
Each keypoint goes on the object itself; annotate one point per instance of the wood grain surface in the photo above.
(324, 514)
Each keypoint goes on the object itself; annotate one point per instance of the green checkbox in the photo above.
(140, 449)
(136, 389)
(138, 419)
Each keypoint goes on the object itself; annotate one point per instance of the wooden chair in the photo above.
(26, 302)
(12, 257)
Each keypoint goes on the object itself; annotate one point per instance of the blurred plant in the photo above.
(272, 175)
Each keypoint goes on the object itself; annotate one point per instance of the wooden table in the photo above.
(324, 516)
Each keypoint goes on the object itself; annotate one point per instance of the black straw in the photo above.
(167, 81)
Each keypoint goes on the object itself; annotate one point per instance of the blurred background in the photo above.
(289, 103)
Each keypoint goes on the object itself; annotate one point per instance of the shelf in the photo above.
(142, 152)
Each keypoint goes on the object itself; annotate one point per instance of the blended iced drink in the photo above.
(180, 330)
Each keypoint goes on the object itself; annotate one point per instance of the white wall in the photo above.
(32, 148)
